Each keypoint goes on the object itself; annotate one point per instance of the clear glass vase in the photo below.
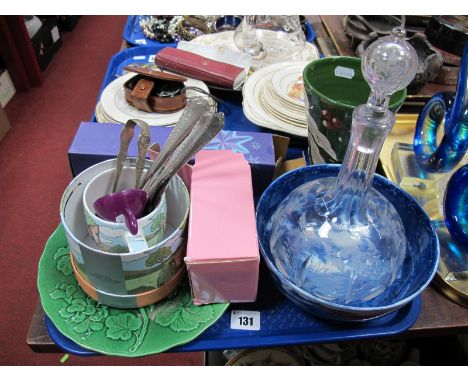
(338, 238)
(270, 39)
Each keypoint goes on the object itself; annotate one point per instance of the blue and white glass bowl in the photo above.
(419, 267)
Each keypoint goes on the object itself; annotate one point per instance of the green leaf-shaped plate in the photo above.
(120, 332)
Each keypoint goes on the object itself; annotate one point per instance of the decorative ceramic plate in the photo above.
(285, 104)
(262, 80)
(288, 84)
(252, 94)
(286, 117)
(101, 116)
(251, 116)
(120, 332)
(277, 108)
(252, 102)
(115, 107)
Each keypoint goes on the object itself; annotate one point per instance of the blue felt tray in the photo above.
(232, 107)
(281, 324)
(134, 35)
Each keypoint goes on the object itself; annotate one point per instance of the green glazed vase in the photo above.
(334, 86)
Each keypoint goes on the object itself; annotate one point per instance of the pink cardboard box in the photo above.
(222, 248)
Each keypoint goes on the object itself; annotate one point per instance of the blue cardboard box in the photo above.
(96, 142)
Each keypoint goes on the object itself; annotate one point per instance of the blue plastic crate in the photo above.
(133, 34)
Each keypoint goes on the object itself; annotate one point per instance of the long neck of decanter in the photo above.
(369, 129)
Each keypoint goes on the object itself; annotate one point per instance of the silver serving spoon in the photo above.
(201, 124)
(195, 108)
(207, 127)
(126, 137)
(143, 144)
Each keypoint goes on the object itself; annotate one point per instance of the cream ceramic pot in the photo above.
(115, 237)
(124, 274)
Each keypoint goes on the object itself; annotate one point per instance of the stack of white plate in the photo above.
(274, 98)
(113, 108)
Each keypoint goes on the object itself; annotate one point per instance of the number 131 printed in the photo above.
(245, 320)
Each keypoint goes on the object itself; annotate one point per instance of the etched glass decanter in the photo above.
(337, 238)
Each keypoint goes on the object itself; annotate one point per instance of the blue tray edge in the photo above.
(200, 344)
(414, 308)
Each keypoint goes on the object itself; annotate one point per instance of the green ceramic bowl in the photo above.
(334, 87)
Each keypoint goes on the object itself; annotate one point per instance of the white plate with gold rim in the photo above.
(288, 84)
(284, 115)
(252, 105)
(284, 103)
(267, 96)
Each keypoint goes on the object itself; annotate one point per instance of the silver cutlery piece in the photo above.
(143, 144)
(201, 124)
(207, 127)
(195, 108)
(126, 137)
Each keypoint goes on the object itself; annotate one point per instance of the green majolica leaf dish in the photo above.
(120, 332)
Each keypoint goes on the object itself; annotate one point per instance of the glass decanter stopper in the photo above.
(336, 237)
